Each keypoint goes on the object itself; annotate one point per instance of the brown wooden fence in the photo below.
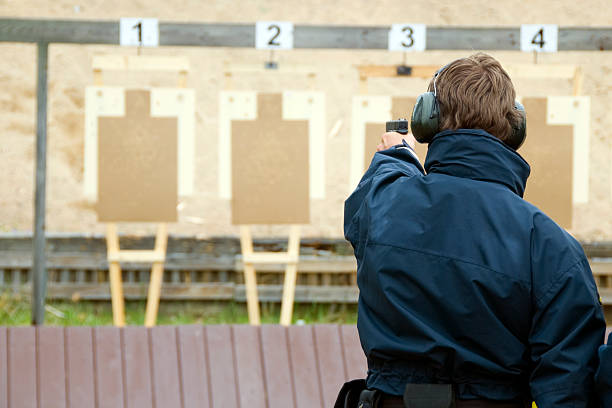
(207, 269)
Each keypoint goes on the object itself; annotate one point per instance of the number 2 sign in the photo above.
(407, 37)
(539, 37)
(274, 35)
(140, 32)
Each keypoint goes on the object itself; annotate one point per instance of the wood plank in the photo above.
(601, 268)
(354, 358)
(277, 366)
(22, 367)
(80, 367)
(194, 367)
(251, 385)
(108, 367)
(166, 380)
(137, 291)
(270, 258)
(137, 256)
(139, 63)
(51, 369)
(389, 71)
(223, 387)
(331, 362)
(305, 371)
(3, 369)
(137, 357)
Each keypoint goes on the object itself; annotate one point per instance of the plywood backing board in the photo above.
(235, 106)
(270, 167)
(137, 164)
(109, 101)
(557, 149)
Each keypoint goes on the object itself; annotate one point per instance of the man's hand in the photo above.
(391, 139)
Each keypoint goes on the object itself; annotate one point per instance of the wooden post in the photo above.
(250, 278)
(290, 276)
(578, 81)
(158, 255)
(251, 258)
(157, 273)
(116, 286)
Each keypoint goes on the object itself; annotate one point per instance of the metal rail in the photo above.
(305, 36)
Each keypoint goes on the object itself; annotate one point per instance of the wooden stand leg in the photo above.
(290, 277)
(250, 278)
(157, 273)
(112, 247)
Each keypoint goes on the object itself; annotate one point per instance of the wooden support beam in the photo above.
(112, 243)
(390, 71)
(250, 277)
(293, 251)
(139, 63)
(157, 273)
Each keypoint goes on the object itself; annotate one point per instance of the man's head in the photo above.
(476, 93)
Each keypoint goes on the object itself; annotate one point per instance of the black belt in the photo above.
(378, 399)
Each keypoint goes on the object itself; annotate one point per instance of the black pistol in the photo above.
(399, 126)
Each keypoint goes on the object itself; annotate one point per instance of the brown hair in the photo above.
(476, 93)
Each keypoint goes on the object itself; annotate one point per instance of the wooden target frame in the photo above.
(316, 180)
(156, 256)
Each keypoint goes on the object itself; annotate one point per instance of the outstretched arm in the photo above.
(390, 162)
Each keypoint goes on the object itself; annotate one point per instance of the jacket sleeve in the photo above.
(567, 324)
(603, 377)
(397, 161)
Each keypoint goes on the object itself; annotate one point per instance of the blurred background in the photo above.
(203, 261)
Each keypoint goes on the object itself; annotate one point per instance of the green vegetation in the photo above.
(15, 311)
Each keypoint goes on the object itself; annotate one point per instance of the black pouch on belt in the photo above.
(348, 397)
(429, 396)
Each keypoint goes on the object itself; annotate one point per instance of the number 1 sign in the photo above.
(139, 32)
(539, 37)
(274, 35)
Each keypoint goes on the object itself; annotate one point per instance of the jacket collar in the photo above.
(475, 154)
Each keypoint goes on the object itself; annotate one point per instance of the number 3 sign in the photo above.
(407, 37)
(274, 35)
(539, 37)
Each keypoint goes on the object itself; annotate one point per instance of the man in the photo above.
(461, 281)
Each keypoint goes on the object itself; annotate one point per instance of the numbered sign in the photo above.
(274, 35)
(407, 37)
(139, 32)
(539, 37)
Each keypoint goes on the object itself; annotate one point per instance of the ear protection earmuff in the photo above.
(425, 120)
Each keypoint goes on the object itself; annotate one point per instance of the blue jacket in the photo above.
(603, 377)
(462, 281)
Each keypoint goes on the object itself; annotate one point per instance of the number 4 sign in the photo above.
(274, 35)
(539, 37)
(407, 37)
